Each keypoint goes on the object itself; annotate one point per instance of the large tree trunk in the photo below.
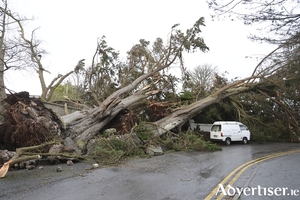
(181, 116)
(82, 126)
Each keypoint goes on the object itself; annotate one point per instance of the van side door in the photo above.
(236, 133)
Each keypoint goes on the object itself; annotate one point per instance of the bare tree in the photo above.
(278, 18)
(35, 53)
(201, 79)
(10, 48)
(22, 52)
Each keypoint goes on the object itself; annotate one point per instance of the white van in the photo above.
(229, 132)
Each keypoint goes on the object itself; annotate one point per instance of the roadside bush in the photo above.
(193, 142)
(273, 132)
(106, 156)
(112, 149)
(188, 141)
(143, 132)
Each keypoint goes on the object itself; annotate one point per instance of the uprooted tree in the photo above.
(143, 70)
(145, 78)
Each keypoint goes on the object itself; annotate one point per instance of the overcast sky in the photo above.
(69, 30)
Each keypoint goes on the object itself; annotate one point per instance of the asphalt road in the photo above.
(277, 178)
(180, 175)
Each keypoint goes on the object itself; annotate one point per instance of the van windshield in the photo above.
(243, 128)
(216, 128)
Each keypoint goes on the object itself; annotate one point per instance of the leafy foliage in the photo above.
(108, 74)
(188, 141)
(143, 132)
(278, 72)
(66, 91)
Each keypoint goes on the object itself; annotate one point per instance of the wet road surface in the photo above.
(273, 179)
(180, 175)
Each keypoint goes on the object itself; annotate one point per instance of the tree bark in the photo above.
(2, 87)
(2, 63)
(83, 129)
(82, 126)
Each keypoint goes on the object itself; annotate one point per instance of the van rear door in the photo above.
(215, 132)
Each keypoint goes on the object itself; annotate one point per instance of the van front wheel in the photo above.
(245, 141)
(227, 141)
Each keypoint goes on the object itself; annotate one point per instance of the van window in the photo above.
(216, 128)
(243, 128)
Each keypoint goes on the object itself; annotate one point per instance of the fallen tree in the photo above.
(83, 126)
(269, 73)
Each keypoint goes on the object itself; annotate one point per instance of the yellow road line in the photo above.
(239, 170)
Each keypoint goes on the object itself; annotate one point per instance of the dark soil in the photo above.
(27, 122)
